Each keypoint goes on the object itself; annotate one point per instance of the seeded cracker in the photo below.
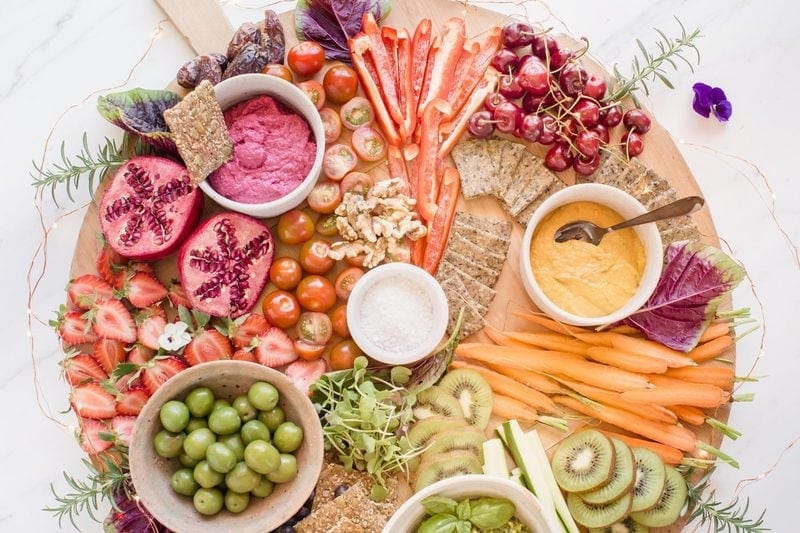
(527, 213)
(474, 163)
(471, 265)
(457, 297)
(518, 180)
(512, 152)
(467, 248)
(537, 179)
(481, 295)
(501, 229)
(199, 131)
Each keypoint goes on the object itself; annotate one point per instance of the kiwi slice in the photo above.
(422, 431)
(583, 461)
(467, 438)
(626, 526)
(648, 480)
(590, 515)
(474, 395)
(445, 465)
(668, 507)
(434, 401)
(621, 477)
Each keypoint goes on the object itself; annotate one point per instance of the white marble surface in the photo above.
(56, 54)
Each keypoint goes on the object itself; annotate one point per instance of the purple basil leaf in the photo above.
(141, 111)
(693, 282)
(331, 22)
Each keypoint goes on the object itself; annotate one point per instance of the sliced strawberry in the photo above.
(122, 427)
(253, 326)
(304, 373)
(84, 290)
(143, 289)
(177, 295)
(91, 401)
(149, 330)
(111, 266)
(274, 348)
(244, 355)
(111, 320)
(73, 327)
(131, 401)
(95, 436)
(158, 371)
(208, 345)
(82, 368)
(140, 354)
(109, 353)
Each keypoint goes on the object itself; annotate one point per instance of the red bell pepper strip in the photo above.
(439, 227)
(451, 132)
(463, 70)
(433, 49)
(428, 163)
(445, 61)
(397, 169)
(389, 38)
(362, 63)
(418, 252)
(383, 66)
(481, 61)
(405, 80)
(420, 47)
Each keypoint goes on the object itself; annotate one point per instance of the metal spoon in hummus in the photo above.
(586, 231)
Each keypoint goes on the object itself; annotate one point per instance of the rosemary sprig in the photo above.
(87, 495)
(721, 517)
(650, 67)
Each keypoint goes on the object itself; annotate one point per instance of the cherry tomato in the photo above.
(331, 123)
(357, 182)
(306, 58)
(368, 143)
(279, 71)
(314, 256)
(315, 328)
(345, 281)
(357, 261)
(314, 91)
(316, 293)
(339, 160)
(281, 309)
(341, 83)
(339, 321)
(285, 273)
(325, 197)
(343, 354)
(326, 225)
(308, 351)
(357, 112)
(295, 226)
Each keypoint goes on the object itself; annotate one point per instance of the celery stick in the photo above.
(558, 498)
(494, 459)
(516, 476)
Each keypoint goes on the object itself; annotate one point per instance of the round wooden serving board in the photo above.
(207, 29)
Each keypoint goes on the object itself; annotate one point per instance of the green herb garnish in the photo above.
(721, 517)
(446, 514)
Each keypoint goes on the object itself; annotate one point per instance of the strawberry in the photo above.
(207, 345)
(149, 329)
(159, 370)
(91, 401)
(143, 289)
(177, 295)
(304, 373)
(122, 427)
(109, 353)
(111, 320)
(242, 334)
(140, 355)
(82, 368)
(244, 355)
(73, 327)
(273, 348)
(131, 401)
(111, 266)
(95, 436)
(84, 290)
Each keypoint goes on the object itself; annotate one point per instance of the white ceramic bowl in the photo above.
(240, 88)
(624, 204)
(387, 274)
(529, 511)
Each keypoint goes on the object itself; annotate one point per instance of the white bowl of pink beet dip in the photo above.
(397, 313)
(278, 146)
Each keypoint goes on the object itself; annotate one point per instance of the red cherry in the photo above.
(558, 158)
(570, 128)
(508, 115)
(636, 120)
(530, 128)
(587, 143)
(602, 132)
(586, 166)
(533, 76)
(492, 100)
(560, 58)
(587, 113)
(595, 87)
(572, 79)
(549, 130)
(531, 103)
(611, 116)
(517, 34)
(544, 46)
(634, 145)
(509, 87)
(505, 61)
(480, 124)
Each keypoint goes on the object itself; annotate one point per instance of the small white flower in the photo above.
(174, 337)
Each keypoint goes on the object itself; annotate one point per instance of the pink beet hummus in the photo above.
(273, 152)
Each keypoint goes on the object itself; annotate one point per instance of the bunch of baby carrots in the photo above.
(616, 376)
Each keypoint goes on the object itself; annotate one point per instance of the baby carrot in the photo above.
(501, 384)
(531, 379)
(668, 454)
(674, 358)
(714, 330)
(689, 414)
(502, 339)
(721, 376)
(550, 341)
(711, 349)
(695, 394)
(509, 408)
(625, 329)
(545, 322)
(627, 361)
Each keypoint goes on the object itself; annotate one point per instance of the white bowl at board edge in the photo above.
(438, 300)
(243, 87)
(529, 511)
(628, 207)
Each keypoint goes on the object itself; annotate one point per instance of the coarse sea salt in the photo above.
(396, 314)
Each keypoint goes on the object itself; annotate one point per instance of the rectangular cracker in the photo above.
(482, 295)
(474, 163)
(663, 198)
(537, 179)
(199, 131)
(457, 298)
(511, 154)
(491, 243)
(482, 273)
(494, 226)
(494, 148)
(467, 248)
(525, 215)
(611, 166)
(648, 187)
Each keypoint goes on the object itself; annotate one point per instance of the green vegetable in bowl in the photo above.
(445, 515)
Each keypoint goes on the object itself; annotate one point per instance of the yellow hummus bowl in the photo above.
(577, 283)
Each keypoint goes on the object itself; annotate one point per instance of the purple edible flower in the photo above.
(708, 99)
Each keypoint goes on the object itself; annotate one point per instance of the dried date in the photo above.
(220, 58)
(247, 33)
(273, 39)
(250, 59)
(204, 67)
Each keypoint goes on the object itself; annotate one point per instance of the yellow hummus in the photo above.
(579, 277)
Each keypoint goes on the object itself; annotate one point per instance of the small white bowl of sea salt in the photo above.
(397, 313)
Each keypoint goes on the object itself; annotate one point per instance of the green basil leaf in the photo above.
(400, 375)
(439, 523)
(463, 510)
(491, 513)
(463, 526)
(439, 505)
